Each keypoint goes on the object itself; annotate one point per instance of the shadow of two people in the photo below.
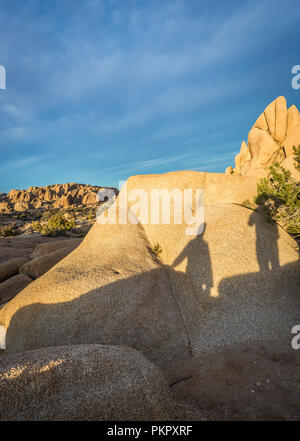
(197, 253)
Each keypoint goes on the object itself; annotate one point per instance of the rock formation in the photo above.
(12, 286)
(53, 196)
(243, 272)
(50, 247)
(81, 383)
(17, 273)
(11, 267)
(270, 140)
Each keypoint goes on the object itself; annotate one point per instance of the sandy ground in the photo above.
(247, 382)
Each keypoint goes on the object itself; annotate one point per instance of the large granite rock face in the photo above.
(110, 290)
(270, 140)
(80, 383)
(238, 281)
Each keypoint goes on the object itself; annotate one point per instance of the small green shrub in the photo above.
(56, 225)
(157, 249)
(45, 216)
(278, 195)
(297, 157)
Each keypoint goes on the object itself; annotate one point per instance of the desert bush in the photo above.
(297, 157)
(55, 225)
(45, 216)
(278, 195)
(8, 230)
(157, 249)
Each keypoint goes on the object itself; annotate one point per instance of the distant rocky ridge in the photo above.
(270, 140)
(53, 196)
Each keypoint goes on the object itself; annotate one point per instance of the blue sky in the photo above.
(98, 90)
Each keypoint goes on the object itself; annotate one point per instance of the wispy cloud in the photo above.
(125, 82)
(21, 164)
(142, 165)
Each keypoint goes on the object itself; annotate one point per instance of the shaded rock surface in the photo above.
(91, 382)
(35, 268)
(51, 247)
(11, 287)
(112, 290)
(240, 279)
(11, 247)
(31, 251)
(11, 267)
(254, 382)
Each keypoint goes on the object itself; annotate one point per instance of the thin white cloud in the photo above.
(142, 165)
(23, 163)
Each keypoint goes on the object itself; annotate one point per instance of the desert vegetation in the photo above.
(9, 230)
(54, 226)
(157, 249)
(278, 196)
